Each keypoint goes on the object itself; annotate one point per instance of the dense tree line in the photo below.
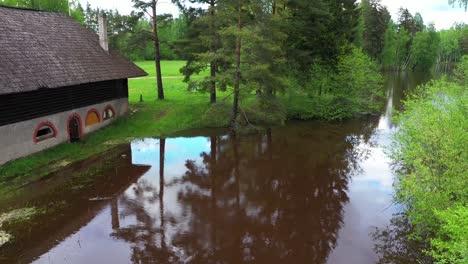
(407, 43)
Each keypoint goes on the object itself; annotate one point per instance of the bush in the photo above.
(354, 87)
(461, 73)
(265, 111)
(360, 81)
(431, 147)
(451, 246)
(217, 115)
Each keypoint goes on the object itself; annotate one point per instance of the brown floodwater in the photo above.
(307, 192)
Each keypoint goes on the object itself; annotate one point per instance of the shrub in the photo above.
(451, 246)
(360, 81)
(354, 87)
(461, 73)
(265, 111)
(431, 147)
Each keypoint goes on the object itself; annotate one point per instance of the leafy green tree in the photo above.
(463, 39)
(407, 21)
(449, 49)
(419, 22)
(425, 49)
(204, 45)
(359, 81)
(402, 55)
(45, 5)
(461, 72)
(463, 3)
(389, 52)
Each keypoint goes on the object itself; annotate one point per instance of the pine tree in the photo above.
(376, 19)
(144, 6)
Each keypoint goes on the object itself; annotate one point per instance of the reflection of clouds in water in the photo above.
(375, 172)
(372, 187)
(177, 152)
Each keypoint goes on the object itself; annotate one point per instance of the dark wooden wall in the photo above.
(29, 105)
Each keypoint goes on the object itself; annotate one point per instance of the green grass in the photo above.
(168, 68)
(153, 118)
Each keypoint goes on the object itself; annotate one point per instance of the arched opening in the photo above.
(74, 128)
(92, 118)
(45, 131)
(108, 113)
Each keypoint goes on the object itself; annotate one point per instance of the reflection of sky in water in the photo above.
(178, 150)
(370, 196)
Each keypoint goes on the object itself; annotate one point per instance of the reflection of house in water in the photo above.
(74, 198)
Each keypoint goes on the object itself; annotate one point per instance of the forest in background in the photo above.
(407, 43)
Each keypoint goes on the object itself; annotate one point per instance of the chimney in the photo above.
(103, 41)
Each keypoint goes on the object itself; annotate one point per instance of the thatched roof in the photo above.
(50, 50)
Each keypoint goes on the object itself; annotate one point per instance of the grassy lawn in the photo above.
(168, 68)
(153, 118)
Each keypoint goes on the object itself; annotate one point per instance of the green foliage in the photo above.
(18, 215)
(44, 5)
(461, 72)
(449, 49)
(376, 17)
(389, 60)
(451, 245)
(318, 29)
(430, 145)
(462, 3)
(359, 80)
(264, 111)
(425, 49)
(354, 87)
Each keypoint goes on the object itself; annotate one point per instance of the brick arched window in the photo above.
(44, 131)
(92, 118)
(108, 113)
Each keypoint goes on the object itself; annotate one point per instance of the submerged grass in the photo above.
(18, 215)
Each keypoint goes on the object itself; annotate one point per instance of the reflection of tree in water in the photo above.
(147, 238)
(395, 246)
(272, 198)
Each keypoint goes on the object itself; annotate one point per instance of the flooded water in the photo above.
(308, 192)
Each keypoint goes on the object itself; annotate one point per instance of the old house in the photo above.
(58, 81)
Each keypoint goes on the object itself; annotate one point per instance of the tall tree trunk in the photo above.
(235, 108)
(157, 54)
(213, 50)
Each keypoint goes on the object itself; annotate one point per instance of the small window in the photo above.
(92, 118)
(108, 113)
(45, 132)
